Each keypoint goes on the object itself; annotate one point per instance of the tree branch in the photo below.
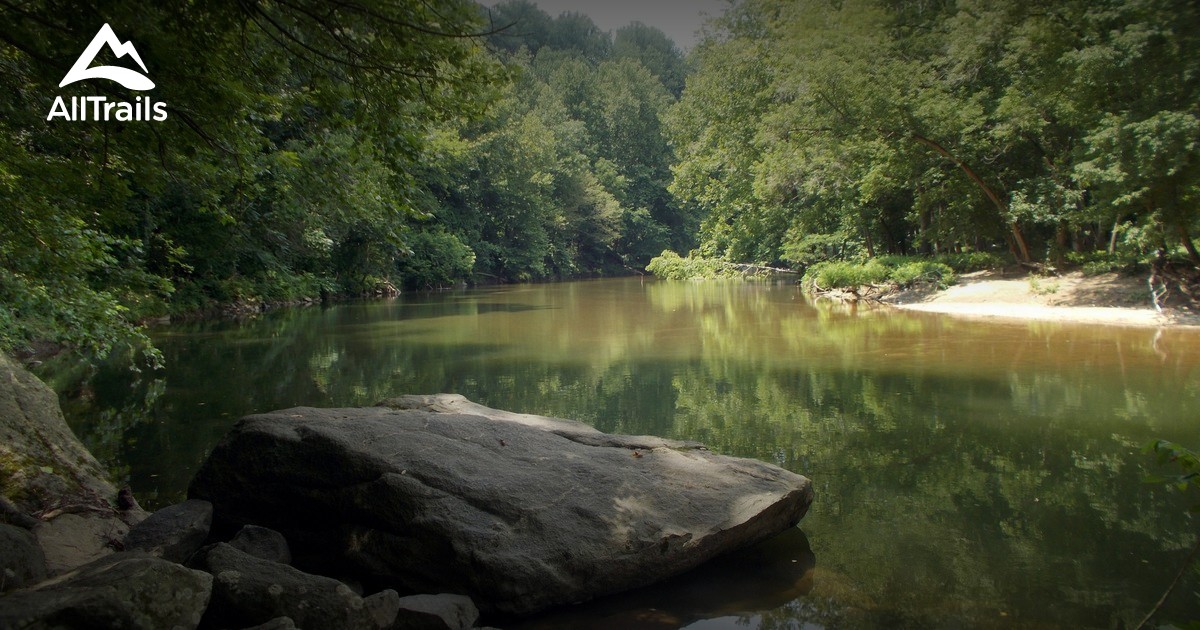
(1018, 237)
(1174, 583)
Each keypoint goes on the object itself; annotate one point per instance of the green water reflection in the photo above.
(969, 474)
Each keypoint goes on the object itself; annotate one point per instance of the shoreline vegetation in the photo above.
(1099, 290)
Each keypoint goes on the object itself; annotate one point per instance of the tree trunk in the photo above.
(1018, 244)
(926, 246)
(1061, 238)
(1186, 239)
(1112, 239)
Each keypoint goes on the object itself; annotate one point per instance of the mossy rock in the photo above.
(43, 465)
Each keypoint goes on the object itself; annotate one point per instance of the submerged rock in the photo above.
(520, 512)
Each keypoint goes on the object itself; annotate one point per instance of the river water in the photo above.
(968, 473)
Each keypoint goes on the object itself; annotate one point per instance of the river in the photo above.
(968, 473)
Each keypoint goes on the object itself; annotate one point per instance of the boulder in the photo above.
(520, 512)
(43, 466)
(249, 590)
(21, 559)
(73, 540)
(173, 533)
(437, 612)
(46, 472)
(126, 590)
(264, 543)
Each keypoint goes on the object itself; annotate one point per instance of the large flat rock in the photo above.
(435, 494)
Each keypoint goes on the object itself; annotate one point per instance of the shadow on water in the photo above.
(459, 306)
(767, 576)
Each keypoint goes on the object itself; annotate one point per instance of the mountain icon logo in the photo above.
(131, 79)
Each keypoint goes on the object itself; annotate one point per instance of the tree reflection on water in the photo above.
(967, 473)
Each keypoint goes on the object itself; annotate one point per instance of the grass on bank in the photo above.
(903, 271)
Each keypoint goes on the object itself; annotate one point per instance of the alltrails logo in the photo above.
(99, 107)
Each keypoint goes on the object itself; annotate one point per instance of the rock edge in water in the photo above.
(520, 512)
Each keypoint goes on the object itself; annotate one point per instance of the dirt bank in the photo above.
(1110, 298)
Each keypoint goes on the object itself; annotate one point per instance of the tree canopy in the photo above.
(313, 150)
(816, 129)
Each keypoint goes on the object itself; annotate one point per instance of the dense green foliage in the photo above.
(898, 270)
(568, 174)
(672, 266)
(816, 130)
(282, 170)
(350, 149)
(315, 150)
(1184, 459)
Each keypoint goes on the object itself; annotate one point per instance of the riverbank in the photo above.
(1111, 298)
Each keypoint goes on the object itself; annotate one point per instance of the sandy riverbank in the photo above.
(1113, 299)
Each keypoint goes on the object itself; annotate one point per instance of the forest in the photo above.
(1061, 132)
(317, 150)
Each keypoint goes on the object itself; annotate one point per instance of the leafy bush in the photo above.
(62, 311)
(900, 270)
(273, 286)
(815, 248)
(1096, 263)
(672, 266)
(283, 286)
(191, 296)
(967, 262)
(840, 274)
(437, 258)
(922, 271)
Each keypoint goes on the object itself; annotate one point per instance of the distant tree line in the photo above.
(315, 149)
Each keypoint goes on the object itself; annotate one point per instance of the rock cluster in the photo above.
(169, 578)
(421, 509)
